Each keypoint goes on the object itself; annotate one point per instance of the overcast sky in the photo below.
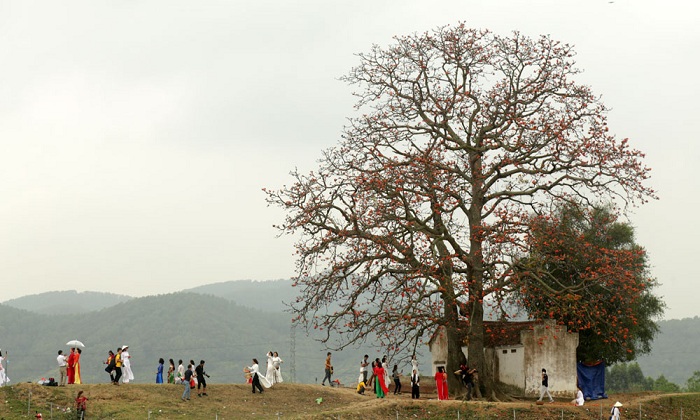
(136, 136)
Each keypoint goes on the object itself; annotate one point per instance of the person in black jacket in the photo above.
(201, 382)
(545, 386)
(415, 385)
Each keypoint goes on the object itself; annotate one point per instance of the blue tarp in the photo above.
(591, 380)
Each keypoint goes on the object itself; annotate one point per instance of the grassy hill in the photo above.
(290, 401)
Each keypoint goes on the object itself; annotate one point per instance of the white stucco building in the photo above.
(517, 352)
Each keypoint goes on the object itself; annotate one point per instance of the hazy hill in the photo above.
(268, 295)
(179, 325)
(226, 323)
(66, 302)
(674, 352)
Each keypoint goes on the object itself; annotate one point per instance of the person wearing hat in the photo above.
(126, 364)
(615, 412)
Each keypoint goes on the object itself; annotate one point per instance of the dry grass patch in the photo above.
(298, 401)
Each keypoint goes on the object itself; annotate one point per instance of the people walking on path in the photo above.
(257, 378)
(544, 389)
(328, 369)
(111, 363)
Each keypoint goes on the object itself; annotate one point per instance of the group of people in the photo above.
(69, 367)
(375, 375)
(578, 401)
(119, 366)
(193, 376)
(273, 373)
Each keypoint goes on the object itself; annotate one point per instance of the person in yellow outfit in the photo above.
(118, 366)
(76, 364)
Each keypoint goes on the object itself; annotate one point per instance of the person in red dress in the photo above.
(441, 383)
(380, 388)
(70, 370)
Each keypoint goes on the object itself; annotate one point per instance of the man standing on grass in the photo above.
(62, 368)
(186, 383)
(415, 385)
(201, 382)
(363, 368)
(329, 371)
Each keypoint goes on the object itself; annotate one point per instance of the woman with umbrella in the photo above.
(71, 359)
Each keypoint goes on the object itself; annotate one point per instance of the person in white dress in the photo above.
(579, 400)
(277, 362)
(126, 365)
(258, 379)
(386, 370)
(270, 372)
(180, 372)
(414, 364)
(615, 412)
(4, 380)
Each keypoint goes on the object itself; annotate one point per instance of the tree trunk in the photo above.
(475, 276)
(455, 355)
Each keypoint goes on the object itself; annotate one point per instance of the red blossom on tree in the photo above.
(585, 270)
(415, 219)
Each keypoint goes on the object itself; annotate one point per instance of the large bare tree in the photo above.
(415, 219)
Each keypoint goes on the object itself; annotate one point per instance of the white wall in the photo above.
(511, 360)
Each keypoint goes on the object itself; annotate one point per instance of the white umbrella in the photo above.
(75, 343)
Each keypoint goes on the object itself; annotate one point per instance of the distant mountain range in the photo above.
(66, 302)
(226, 324)
(206, 322)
